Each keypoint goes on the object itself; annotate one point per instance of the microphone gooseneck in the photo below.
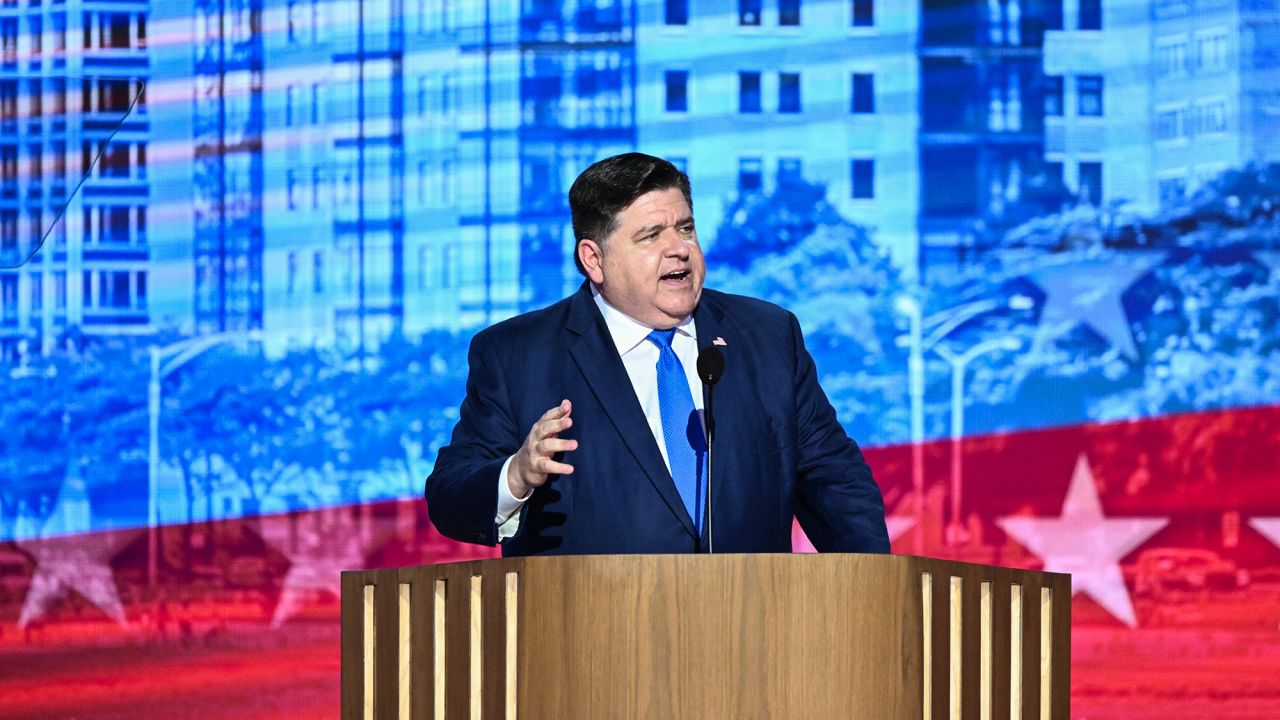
(710, 368)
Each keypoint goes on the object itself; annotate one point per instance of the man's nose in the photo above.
(675, 245)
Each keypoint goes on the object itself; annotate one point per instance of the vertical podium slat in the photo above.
(955, 647)
(971, 644)
(941, 644)
(926, 654)
(404, 646)
(457, 648)
(369, 652)
(439, 640)
(1030, 651)
(511, 618)
(1061, 673)
(352, 645)
(1000, 638)
(493, 632)
(387, 645)
(986, 658)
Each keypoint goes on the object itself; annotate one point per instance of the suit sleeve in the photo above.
(839, 505)
(462, 490)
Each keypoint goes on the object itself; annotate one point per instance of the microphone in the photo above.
(710, 368)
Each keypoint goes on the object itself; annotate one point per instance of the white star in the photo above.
(899, 524)
(320, 544)
(1088, 292)
(1269, 527)
(1084, 542)
(67, 558)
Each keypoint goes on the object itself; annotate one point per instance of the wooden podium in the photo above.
(705, 636)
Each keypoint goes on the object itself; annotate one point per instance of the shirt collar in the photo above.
(626, 331)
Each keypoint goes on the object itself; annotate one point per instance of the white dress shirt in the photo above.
(640, 358)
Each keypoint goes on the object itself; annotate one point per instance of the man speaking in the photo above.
(583, 429)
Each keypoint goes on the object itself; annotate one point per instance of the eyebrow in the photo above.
(659, 226)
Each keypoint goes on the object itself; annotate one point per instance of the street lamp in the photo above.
(165, 360)
(940, 325)
(955, 533)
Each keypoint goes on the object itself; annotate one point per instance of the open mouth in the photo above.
(676, 275)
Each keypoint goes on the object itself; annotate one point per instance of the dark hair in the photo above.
(610, 186)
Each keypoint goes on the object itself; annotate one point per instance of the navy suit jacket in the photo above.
(778, 450)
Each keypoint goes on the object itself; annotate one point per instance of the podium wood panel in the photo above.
(698, 636)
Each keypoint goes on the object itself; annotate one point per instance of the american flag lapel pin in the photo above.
(720, 341)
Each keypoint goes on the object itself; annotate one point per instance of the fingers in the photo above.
(550, 446)
(546, 466)
(553, 421)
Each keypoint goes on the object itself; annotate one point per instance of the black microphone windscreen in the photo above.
(710, 365)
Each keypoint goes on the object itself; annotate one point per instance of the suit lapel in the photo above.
(593, 351)
(711, 332)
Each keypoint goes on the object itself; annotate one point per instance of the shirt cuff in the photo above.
(507, 517)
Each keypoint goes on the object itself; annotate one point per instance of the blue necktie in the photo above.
(681, 428)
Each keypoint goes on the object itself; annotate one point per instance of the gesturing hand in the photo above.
(532, 462)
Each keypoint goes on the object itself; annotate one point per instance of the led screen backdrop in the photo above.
(1033, 244)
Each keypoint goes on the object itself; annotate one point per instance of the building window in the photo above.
(113, 30)
(317, 272)
(291, 188)
(9, 296)
(36, 33)
(1053, 170)
(119, 282)
(1089, 95)
(677, 12)
(1091, 182)
(115, 161)
(749, 12)
(1053, 15)
(1090, 15)
(1172, 190)
(862, 179)
(789, 12)
(863, 100)
(317, 102)
(114, 224)
(677, 90)
(291, 281)
(750, 174)
(140, 290)
(1211, 50)
(1053, 95)
(863, 13)
(790, 171)
(1169, 124)
(294, 20)
(1212, 116)
(748, 92)
(788, 92)
(292, 105)
(1171, 57)
(447, 262)
(58, 22)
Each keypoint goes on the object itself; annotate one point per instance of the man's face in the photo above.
(651, 267)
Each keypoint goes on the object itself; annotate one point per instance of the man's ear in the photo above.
(592, 257)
